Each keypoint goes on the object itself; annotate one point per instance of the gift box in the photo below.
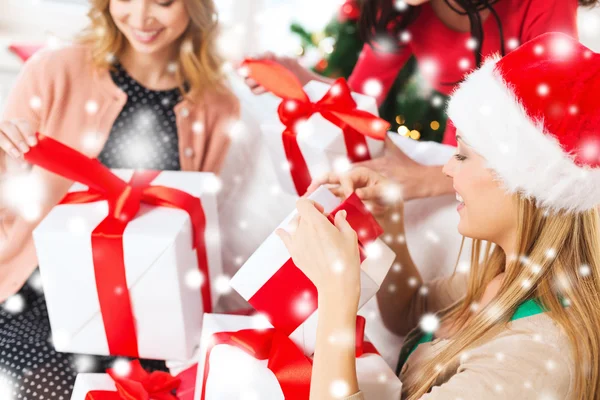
(314, 129)
(130, 276)
(240, 360)
(275, 287)
(132, 382)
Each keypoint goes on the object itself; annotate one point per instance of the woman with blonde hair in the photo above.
(142, 87)
(523, 322)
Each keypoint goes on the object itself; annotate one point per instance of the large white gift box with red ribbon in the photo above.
(275, 287)
(247, 358)
(145, 302)
(314, 129)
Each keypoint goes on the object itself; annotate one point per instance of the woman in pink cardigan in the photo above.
(522, 322)
(141, 88)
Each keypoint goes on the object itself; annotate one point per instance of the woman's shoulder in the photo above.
(535, 345)
(540, 328)
(222, 96)
(220, 101)
(67, 60)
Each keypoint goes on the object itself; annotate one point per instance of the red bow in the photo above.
(279, 297)
(337, 106)
(124, 201)
(291, 367)
(138, 384)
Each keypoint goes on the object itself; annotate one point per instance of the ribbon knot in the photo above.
(126, 204)
(138, 384)
(337, 107)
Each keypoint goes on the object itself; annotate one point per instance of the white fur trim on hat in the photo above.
(491, 120)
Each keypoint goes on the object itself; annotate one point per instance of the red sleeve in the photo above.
(384, 67)
(550, 16)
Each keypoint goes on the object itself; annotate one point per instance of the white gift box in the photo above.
(234, 372)
(320, 141)
(161, 266)
(269, 258)
(85, 383)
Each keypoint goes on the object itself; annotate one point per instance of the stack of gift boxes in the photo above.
(128, 257)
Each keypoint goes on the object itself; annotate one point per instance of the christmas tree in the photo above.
(413, 108)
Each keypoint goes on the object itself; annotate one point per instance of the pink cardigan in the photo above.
(68, 98)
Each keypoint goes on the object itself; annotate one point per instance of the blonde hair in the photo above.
(574, 242)
(199, 65)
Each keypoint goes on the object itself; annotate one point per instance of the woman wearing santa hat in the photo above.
(448, 38)
(522, 323)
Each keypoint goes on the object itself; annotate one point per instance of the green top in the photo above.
(527, 309)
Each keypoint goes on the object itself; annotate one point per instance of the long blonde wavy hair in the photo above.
(574, 243)
(199, 64)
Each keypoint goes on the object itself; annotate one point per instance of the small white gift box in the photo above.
(271, 283)
(321, 142)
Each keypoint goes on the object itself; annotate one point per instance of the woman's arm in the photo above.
(328, 255)
(403, 281)
(334, 366)
(372, 65)
(380, 67)
(403, 298)
(417, 180)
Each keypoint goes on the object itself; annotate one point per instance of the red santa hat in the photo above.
(534, 115)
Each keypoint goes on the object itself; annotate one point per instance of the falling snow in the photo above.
(14, 304)
(543, 89)
(221, 283)
(400, 5)
(372, 87)
(121, 367)
(194, 278)
(429, 323)
(339, 389)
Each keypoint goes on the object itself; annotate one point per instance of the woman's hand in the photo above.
(16, 137)
(292, 64)
(416, 180)
(327, 254)
(379, 193)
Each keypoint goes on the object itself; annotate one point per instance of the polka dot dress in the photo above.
(144, 136)
(30, 368)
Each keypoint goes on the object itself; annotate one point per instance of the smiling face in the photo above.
(150, 26)
(487, 211)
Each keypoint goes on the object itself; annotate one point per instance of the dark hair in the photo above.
(380, 21)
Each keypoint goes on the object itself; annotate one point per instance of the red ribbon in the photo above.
(124, 200)
(337, 106)
(288, 298)
(291, 367)
(138, 385)
(187, 388)
(363, 347)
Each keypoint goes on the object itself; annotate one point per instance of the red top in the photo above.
(443, 54)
